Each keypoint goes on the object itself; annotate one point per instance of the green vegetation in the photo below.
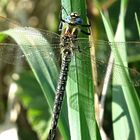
(77, 120)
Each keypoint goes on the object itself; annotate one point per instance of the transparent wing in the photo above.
(31, 42)
(37, 42)
(10, 53)
(101, 59)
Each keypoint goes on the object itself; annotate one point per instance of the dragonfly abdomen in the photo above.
(60, 93)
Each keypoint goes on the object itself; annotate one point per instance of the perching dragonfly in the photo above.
(68, 44)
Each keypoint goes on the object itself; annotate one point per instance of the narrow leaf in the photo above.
(137, 22)
(128, 91)
(80, 96)
(45, 70)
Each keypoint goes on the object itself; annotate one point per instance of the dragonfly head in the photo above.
(74, 18)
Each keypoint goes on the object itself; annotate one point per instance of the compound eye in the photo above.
(72, 14)
(75, 14)
(78, 20)
(68, 19)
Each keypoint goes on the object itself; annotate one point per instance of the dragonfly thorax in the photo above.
(68, 44)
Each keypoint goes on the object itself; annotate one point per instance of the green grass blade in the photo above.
(45, 70)
(137, 22)
(127, 92)
(80, 96)
(118, 97)
(127, 123)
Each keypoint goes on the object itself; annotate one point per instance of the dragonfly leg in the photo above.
(60, 26)
(86, 25)
(84, 32)
(79, 49)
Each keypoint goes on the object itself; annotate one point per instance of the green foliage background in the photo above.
(45, 14)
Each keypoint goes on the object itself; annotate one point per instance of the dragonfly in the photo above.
(67, 44)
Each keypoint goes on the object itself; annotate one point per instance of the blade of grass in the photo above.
(80, 98)
(125, 120)
(128, 91)
(45, 70)
(137, 22)
(119, 98)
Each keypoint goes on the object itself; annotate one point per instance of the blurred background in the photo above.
(23, 108)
